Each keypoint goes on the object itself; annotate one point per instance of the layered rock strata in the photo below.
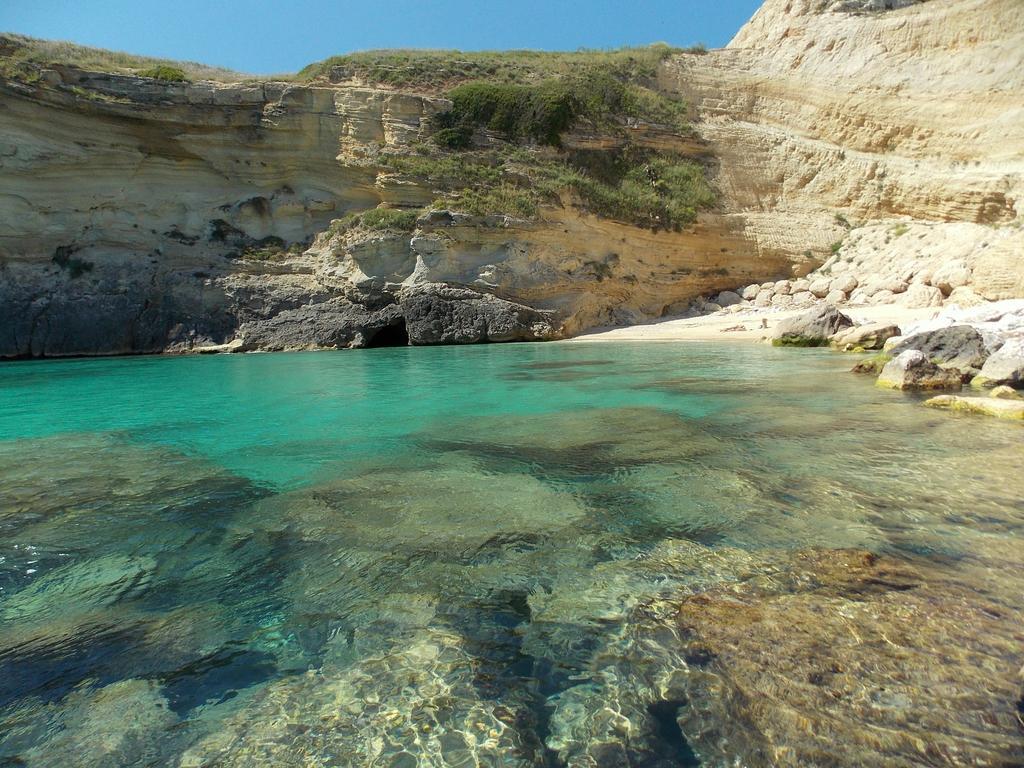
(136, 215)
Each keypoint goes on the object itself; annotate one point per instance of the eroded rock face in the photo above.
(443, 315)
(198, 214)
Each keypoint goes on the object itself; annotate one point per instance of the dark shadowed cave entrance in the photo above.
(394, 335)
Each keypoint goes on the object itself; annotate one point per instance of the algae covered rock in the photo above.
(80, 587)
(811, 329)
(1004, 392)
(912, 370)
(1003, 408)
(872, 365)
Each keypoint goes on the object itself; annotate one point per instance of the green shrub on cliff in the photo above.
(643, 187)
(538, 112)
(542, 112)
(377, 219)
(389, 218)
(649, 189)
(504, 199)
(161, 72)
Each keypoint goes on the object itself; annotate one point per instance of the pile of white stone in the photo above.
(947, 285)
(784, 294)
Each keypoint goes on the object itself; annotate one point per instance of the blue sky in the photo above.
(265, 37)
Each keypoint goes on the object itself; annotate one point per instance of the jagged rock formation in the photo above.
(136, 215)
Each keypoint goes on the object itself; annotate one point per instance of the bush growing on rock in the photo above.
(390, 218)
(165, 73)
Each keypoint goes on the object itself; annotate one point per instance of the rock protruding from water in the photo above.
(913, 370)
(811, 329)
(1004, 367)
(440, 314)
(958, 346)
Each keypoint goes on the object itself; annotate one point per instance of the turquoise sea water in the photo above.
(416, 555)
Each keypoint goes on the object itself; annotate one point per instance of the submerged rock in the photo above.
(812, 657)
(912, 370)
(1003, 408)
(1004, 392)
(811, 329)
(80, 587)
(831, 659)
(120, 724)
(419, 698)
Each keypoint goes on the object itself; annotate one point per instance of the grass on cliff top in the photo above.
(445, 68)
(23, 57)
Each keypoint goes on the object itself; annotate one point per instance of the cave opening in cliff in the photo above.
(394, 335)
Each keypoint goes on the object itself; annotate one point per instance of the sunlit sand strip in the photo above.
(746, 325)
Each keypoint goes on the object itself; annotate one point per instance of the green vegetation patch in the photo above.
(539, 112)
(657, 190)
(376, 219)
(161, 72)
(24, 57)
(643, 187)
(542, 112)
(528, 102)
(442, 69)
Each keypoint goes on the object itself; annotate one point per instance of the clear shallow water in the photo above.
(427, 554)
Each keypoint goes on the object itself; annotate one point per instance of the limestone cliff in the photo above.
(825, 113)
(138, 215)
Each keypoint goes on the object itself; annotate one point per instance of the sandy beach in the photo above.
(745, 325)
